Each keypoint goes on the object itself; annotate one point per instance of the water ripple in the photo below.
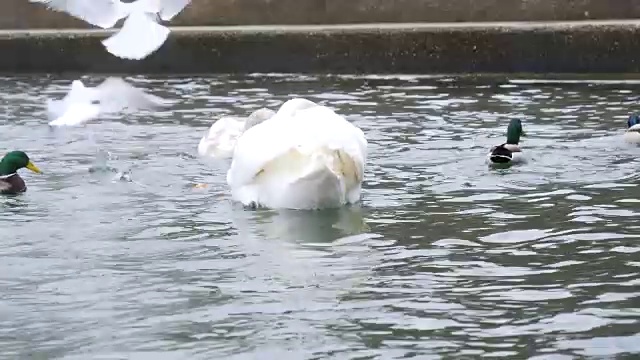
(443, 258)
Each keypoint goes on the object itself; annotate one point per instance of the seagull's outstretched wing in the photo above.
(115, 94)
(139, 36)
(55, 108)
(171, 8)
(77, 114)
(78, 93)
(102, 13)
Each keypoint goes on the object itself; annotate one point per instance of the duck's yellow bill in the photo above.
(31, 166)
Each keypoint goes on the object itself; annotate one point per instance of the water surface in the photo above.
(443, 258)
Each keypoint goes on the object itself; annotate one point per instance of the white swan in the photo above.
(220, 139)
(140, 35)
(304, 157)
(82, 104)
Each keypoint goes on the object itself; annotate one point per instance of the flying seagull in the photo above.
(141, 33)
(114, 95)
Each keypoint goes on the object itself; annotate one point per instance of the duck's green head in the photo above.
(514, 131)
(14, 161)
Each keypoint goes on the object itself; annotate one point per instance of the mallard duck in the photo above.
(82, 104)
(508, 152)
(304, 157)
(10, 181)
(632, 135)
(140, 35)
(220, 139)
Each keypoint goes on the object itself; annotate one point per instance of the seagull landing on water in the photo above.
(82, 104)
(140, 35)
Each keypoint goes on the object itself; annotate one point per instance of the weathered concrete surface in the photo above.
(568, 47)
(21, 14)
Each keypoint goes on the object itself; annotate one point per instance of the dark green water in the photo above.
(444, 258)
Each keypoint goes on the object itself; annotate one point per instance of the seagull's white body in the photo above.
(632, 135)
(304, 157)
(140, 35)
(82, 104)
(220, 139)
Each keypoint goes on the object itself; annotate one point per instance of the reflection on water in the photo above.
(442, 257)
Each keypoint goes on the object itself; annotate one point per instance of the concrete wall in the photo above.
(21, 14)
(534, 48)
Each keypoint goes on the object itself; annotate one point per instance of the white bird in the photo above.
(304, 157)
(141, 33)
(220, 139)
(82, 104)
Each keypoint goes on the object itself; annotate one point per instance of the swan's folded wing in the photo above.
(258, 146)
(226, 125)
(102, 13)
(221, 137)
(325, 128)
(139, 36)
(292, 106)
(115, 94)
(307, 131)
(171, 8)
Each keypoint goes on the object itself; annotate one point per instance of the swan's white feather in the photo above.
(102, 13)
(82, 104)
(258, 117)
(139, 36)
(220, 139)
(311, 159)
(291, 107)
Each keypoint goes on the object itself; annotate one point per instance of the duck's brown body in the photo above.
(12, 184)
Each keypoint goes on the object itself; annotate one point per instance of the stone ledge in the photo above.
(22, 14)
(423, 48)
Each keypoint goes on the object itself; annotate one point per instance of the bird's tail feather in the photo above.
(500, 155)
(139, 36)
(346, 166)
